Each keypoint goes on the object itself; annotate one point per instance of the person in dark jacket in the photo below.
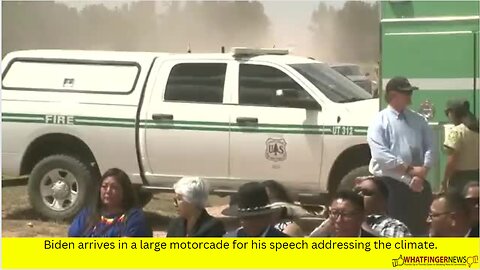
(251, 205)
(191, 194)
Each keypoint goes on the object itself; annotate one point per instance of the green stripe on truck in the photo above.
(194, 125)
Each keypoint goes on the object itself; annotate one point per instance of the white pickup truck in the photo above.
(230, 118)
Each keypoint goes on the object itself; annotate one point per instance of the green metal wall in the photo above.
(412, 9)
(436, 45)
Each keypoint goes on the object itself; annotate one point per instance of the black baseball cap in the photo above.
(458, 106)
(400, 84)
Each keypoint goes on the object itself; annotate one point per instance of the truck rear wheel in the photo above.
(347, 181)
(59, 186)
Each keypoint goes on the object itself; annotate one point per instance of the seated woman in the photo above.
(114, 214)
(284, 220)
(191, 194)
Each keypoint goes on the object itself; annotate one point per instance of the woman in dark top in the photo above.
(114, 214)
(191, 194)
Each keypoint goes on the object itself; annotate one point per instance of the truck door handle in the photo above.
(247, 120)
(161, 116)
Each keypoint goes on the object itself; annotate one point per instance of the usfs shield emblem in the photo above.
(427, 109)
(276, 149)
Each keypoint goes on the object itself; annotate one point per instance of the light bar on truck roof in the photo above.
(240, 51)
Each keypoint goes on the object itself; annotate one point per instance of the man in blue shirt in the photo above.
(401, 143)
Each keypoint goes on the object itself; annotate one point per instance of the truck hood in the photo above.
(360, 113)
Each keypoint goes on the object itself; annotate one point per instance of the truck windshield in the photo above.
(348, 70)
(331, 83)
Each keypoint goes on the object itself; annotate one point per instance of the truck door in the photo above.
(270, 139)
(187, 122)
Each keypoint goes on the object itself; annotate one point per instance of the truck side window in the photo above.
(258, 85)
(196, 82)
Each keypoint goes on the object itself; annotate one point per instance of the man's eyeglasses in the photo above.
(447, 112)
(434, 215)
(472, 201)
(176, 201)
(335, 214)
(408, 93)
(364, 192)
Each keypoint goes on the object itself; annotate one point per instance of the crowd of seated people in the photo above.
(265, 209)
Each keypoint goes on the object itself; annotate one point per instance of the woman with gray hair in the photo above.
(191, 194)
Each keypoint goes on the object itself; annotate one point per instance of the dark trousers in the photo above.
(460, 179)
(410, 207)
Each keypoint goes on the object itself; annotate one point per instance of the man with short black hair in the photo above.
(449, 216)
(401, 144)
(346, 215)
(375, 197)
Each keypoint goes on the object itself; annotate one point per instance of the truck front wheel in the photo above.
(347, 181)
(60, 185)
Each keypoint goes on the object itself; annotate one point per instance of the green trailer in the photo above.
(436, 45)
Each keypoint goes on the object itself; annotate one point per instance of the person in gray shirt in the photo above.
(402, 148)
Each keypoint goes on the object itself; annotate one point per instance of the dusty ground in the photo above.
(20, 220)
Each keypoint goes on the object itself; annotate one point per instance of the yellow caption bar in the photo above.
(240, 253)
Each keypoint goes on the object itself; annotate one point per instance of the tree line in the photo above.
(350, 33)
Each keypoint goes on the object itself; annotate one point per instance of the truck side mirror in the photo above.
(309, 104)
